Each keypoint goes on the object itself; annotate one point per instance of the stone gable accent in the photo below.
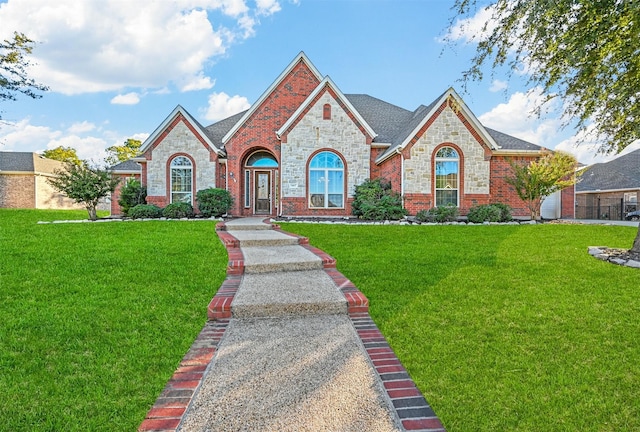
(180, 140)
(446, 128)
(313, 133)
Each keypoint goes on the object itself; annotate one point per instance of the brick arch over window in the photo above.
(181, 175)
(326, 180)
(448, 174)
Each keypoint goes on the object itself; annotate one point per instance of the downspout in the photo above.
(402, 178)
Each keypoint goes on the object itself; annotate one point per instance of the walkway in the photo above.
(289, 346)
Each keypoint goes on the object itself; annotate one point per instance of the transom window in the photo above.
(326, 181)
(181, 180)
(262, 160)
(447, 176)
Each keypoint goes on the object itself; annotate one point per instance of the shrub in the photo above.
(490, 213)
(374, 200)
(178, 210)
(214, 202)
(144, 211)
(132, 194)
(448, 213)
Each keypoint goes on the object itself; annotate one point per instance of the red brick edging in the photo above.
(410, 405)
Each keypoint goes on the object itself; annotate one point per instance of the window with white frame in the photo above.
(447, 169)
(326, 181)
(181, 180)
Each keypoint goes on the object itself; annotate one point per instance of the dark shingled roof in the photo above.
(391, 123)
(28, 162)
(620, 173)
(128, 165)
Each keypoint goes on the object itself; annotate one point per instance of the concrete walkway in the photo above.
(289, 346)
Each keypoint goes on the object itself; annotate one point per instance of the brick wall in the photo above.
(32, 191)
(115, 196)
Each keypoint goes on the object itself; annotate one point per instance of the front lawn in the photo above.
(94, 318)
(503, 328)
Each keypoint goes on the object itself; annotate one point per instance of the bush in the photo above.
(132, 194)
(178, 210)
(145, 211)
(490, 213)
(214, 202)
(374, 200)
(448, 213)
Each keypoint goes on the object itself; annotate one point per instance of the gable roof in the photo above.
(28, 162)
(324, 84)
(202, 132)
(127, 167)
(301, 57)
(622, 172)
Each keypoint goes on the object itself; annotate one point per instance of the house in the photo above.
(609, 190)
(303, 147)
(23, 182)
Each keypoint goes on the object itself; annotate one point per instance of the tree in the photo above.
(542, 177)
(85, 185)
(13, 69)
(121, 153)
(63, 154)
(583, 52)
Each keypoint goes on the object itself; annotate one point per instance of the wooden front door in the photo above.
(262, 192)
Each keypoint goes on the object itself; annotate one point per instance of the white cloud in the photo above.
(221, 106)
(90, 142)
(516, 117)
(498, 85)
(126, 99)
(471, 29)
(585, 146)
(107, 45)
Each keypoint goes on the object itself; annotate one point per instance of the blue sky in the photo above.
(117, 68)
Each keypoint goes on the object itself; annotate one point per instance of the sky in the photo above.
(117, 68)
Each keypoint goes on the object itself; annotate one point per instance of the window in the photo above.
(262, 159)
(181, 180)
(326, 181)
(447, 176)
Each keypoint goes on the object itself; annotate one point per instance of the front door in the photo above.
(262, 192)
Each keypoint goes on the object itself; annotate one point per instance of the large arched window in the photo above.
(326, 181)
(447, 171)
(181, 180)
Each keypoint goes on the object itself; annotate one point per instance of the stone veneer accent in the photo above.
(180, 140)
(339, 133)
(447, 128)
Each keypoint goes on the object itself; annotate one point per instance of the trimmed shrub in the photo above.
(490, 213)
(178, 210)
(375, 200)
(145, 211)
(448, 213)
(132, 194)
(214, 202)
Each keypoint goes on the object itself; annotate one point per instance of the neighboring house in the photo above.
(609, 190)
(23, 182)
(303, 147)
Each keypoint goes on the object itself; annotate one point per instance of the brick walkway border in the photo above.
(411, 407)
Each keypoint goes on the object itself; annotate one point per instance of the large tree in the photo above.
(13, 69)
(85, 185)
(121, 153)
(63, 154)
(583, 52)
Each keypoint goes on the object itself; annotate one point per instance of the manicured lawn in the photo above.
(503, 328)
(94, 318)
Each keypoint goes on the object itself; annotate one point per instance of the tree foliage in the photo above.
(121, 153)
(584, 52)
(375, 200)
(63, 154)
(542, 177)
(13, 69)
(132, 193)
(85, 185)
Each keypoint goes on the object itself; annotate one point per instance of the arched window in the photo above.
(262, 159)
(447, 171)
(181, 180)
(326, 181)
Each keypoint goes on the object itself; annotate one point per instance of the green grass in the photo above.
(94, 318)
(503, 328)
